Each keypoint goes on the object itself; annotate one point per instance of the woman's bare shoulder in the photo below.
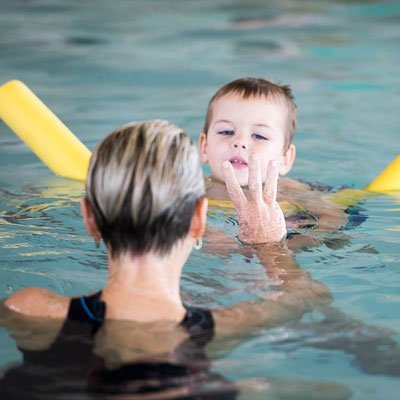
(38, 302)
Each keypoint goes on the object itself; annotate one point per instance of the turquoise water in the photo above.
(99, 65)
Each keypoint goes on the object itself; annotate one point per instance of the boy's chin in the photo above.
(242, 177)
(243, 181)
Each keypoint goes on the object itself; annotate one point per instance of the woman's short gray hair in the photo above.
(143, 184)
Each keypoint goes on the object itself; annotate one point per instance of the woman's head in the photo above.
(143, 184)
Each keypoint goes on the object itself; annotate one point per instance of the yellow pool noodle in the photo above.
(44, 133)
(388, 180)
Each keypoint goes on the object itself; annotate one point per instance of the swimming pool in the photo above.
(100, 66)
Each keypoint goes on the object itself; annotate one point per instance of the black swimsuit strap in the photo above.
(199, 323)
(197, 319)
(91, 309)
(87, 309)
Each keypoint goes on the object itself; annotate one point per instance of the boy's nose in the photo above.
(239, 144)
(240, 140)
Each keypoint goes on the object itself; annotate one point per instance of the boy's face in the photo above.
(240, 127)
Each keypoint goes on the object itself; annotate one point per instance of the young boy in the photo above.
(247, 141)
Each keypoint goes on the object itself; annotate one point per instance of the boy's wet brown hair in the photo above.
(258, 87)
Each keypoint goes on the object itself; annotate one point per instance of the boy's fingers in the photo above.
(232, 185)
(271, 183)
(255, 182)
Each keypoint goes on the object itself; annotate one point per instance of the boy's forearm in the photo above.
(298, 294)
(296, 284)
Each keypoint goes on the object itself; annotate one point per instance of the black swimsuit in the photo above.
(70, 367)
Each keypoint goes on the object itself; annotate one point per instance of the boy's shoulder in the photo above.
(315, 202)
(295, 190)
(215, 189)
(289, 185)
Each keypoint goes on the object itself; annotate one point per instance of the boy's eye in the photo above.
(258, 136)
(226, 132)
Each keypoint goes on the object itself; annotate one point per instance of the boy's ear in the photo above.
(203, 147)
(199, 219)
(88, 219)
(287, 160)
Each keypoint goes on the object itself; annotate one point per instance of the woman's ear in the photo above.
(203, 147)
(199, 219)
(287, 160)
(88, 219)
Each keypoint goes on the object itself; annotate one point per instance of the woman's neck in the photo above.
(146, 288)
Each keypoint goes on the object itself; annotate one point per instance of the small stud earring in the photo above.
(198, 243)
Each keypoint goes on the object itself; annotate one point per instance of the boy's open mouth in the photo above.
(238, 162)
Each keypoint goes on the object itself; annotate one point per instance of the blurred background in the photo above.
(99, 64)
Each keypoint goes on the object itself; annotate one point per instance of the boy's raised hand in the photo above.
(261, 219)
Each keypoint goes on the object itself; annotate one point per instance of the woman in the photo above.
(145, 198)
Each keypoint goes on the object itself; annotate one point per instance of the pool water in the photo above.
(98, 66)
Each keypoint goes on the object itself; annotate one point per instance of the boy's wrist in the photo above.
(252, 236)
